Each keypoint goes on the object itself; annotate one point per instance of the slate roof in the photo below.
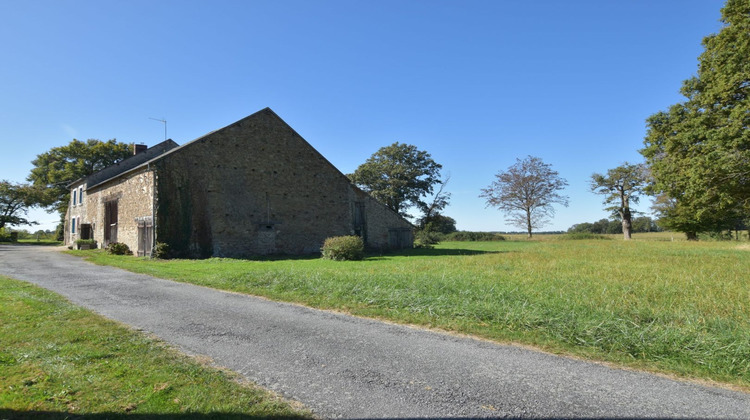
(125, 165)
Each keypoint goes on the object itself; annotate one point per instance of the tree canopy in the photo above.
(437, 223)
(640, 224)
(621, 186)
(698, 150)
(526, 192)
(55, 169)
(400, 176)
(15, 200)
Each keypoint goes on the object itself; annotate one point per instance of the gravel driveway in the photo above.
(346, 367)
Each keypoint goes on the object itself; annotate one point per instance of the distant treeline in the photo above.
(5, 234)
(639, 225)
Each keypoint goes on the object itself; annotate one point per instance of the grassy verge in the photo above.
(677, 307)
(60, 361)
(48, 242)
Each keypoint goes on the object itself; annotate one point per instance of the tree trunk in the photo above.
(528, 223)
(626, 223)
(691, 236)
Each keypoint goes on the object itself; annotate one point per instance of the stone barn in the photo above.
(255, 187)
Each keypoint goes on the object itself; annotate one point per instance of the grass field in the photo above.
(60, 361)
(671, 306)
(650, 236)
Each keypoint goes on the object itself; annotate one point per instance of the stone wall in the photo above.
(256, 187)
(133, 193)
(381, 223)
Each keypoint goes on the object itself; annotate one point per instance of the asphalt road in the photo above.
(346, 367)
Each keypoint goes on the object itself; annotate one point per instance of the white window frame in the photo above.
(80, 195)
(74, 196)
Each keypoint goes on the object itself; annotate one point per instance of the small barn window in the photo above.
(80, 195)
(75, 197)
(73, 224)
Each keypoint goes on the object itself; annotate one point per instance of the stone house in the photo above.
(254, 187)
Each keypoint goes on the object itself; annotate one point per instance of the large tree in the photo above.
(621, 186)
(678, 215)
(55, 169)
(526, 192)
(15, 199)
(699, 150)
(399, 176)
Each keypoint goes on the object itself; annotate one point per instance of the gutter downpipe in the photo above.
(153, 209)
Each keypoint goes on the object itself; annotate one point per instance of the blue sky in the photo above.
(475, 83)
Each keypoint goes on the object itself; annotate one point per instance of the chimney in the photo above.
(138, 148)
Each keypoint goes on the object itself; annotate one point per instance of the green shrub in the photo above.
(161, 251)
(118, 248)
(343, 248)
(474, 236)
(582, 236)
(426, 239)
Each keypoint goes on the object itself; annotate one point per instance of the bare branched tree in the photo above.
(526, 193)
(439, 201)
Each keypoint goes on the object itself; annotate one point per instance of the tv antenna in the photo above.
(165, 125)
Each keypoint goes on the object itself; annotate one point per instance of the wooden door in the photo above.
(110, 222)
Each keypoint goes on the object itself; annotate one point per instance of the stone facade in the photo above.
(112, 205)
(132, 194)
(255, 187)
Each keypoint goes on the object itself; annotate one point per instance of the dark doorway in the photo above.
(86, 231)
(399, 238)
(359, 220)
(110, 222)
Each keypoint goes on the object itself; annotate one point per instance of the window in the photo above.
(73, 223)
(80, 195)
(74, 197)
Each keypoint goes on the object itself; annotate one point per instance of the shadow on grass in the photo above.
(13, 414)
(374, 256)
(369, 256)
(431, 252)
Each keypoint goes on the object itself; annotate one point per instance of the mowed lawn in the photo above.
(59, 361)
(678, 307)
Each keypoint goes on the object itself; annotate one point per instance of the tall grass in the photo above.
(679, 307)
